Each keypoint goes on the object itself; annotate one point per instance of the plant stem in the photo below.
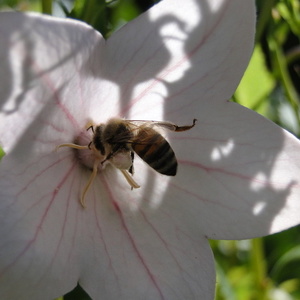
(258, 264)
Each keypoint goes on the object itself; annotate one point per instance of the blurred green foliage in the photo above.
(259, 269)
(1, 153)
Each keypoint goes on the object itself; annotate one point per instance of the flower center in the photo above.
(89, 156)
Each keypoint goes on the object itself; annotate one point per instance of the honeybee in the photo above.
(119, 140)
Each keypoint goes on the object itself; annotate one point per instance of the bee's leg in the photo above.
(70, 145)
(184, 128)
(108, 157)
(131, 169)
(91, 127)
(174, 127)
(90, 181)
(130, 180)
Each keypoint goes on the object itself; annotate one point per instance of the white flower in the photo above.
(238, 174)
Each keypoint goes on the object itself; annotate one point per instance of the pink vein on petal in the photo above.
(40, 173)
(229, 173)
(181, 60)
(132, 241)
(42, 74)
(70, 193)
(100, 229)
(48, 82)
(216, 170)
(165, 244)
(133, 55)
(197, 196)
(64, 109)
(39, 226)
(136, 75)
(140, 96)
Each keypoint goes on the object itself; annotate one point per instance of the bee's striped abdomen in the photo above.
(155, 151)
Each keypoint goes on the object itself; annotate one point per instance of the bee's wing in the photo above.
(150, 123)
(162, 124)
(126, 132)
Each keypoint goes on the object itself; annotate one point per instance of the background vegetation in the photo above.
(259, 269)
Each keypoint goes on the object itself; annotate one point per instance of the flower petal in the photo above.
(143, 256)
(113, 250)
(49, 71)
(243, 175)
(45, 233)
(190, 78)
(180, 55)
(47, 67)
(37, 253)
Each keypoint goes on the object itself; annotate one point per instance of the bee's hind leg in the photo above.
(184, 128)
(129, 179)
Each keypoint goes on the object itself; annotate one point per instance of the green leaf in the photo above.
(93, 12)
(290, 12)
(2, 153)
(287, 266)
(256, 85)
(77, 294)
(123, 13)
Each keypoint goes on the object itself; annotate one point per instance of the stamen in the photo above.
(130, 180)
(90, 181)
(97, 161)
